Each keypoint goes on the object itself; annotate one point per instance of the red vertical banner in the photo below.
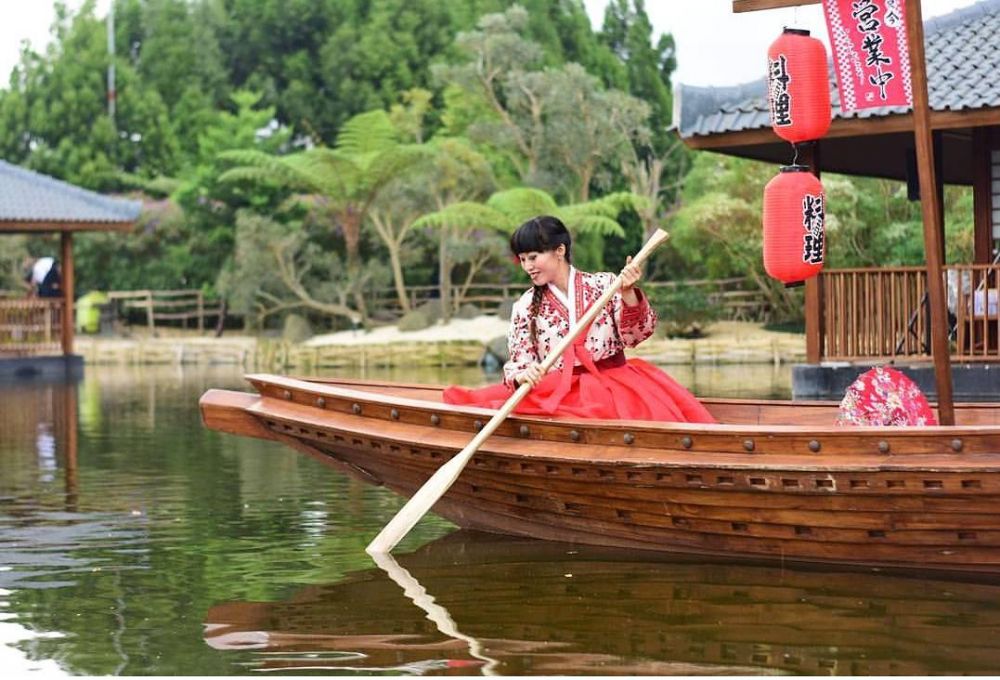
(868, 38)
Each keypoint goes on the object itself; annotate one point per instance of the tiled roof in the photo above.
(27, 196)
(962, 50)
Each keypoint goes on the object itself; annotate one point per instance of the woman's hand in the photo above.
(531, 374)
(630, 276)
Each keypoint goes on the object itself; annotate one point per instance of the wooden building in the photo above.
(859, 317)
(36, 334)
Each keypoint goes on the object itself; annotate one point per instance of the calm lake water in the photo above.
(133, 541)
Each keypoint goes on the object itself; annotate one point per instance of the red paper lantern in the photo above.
(794, 232)
(798, 88)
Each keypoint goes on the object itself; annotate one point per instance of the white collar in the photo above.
(569, 299)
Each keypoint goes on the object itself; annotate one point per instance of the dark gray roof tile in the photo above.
(27, 196)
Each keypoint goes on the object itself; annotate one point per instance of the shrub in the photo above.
(683, 310)
(414, 321)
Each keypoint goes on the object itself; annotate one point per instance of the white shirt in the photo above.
(41, 269)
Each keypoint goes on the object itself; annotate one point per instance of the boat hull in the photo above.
(805, 490)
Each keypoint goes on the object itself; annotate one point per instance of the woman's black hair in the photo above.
(538, 235)
(541, 234)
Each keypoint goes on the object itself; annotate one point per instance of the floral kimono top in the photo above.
(617, 326)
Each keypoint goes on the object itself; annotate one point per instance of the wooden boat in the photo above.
(552, 609)
(777, 479)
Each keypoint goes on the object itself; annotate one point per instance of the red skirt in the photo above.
(623, 390)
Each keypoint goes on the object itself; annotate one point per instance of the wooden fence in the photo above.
(30, 326)
(183, 307)
(732, 296)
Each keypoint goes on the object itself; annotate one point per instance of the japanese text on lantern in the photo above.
(812, 222)
(870, 53)
(781, 102)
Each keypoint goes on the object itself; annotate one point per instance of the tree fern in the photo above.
(522, 203)
(466, 215)
(365, 133)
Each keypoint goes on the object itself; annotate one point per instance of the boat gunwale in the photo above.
(635, 426)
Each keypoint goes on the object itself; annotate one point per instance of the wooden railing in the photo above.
(883, 313)
(176, 306)
(30, 326)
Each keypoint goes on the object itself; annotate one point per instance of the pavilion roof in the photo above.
(963, 58)
(33, 202)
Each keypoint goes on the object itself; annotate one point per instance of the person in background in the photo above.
(593, 379)
(42, 278)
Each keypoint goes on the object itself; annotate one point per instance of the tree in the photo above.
(628, 32)
(505, 210)
(556, 127)
(57, 115)
(459, 173)
(348, 178)
(589, 131)
(279, 267)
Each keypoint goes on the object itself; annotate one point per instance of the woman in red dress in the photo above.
(593, 379)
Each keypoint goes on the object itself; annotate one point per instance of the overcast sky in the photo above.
(714, 46)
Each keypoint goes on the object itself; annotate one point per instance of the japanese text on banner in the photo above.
(870, 55)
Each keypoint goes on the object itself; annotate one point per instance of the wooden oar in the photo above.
(435, 487)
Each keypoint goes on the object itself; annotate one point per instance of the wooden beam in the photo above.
(756, 5)
(31, 227)
(67, 287)
(931, 209)
(852, 127)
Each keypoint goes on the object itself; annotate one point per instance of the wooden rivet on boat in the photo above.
(687, 442)
(748, 444)
(574, 435)
(478, 425)
(629, 438)
(394, 414)
(321, 402)
(956, 445)
(814, 445)
(286, 394)
(435, 419)
(883, 446)
(524, 430)
(356, 407)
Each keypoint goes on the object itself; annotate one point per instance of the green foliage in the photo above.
(403, 139)
(683, 310)
(12, 257)
(506, 210)
(556, 128)
(649, 67)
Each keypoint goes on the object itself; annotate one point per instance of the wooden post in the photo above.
(809, 155)
(67, 287)
(982, 200)
(201, 313)
(930, 203)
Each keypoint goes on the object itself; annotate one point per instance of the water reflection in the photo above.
(544, 608)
